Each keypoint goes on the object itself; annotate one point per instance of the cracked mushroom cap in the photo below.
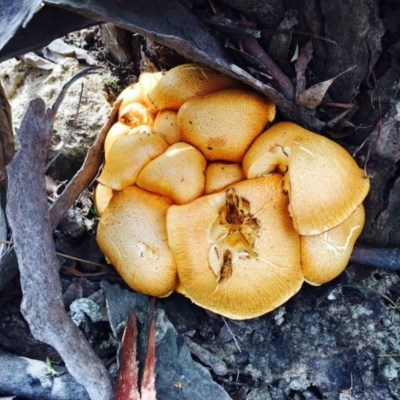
(236, 251)
(220, 175)
(135, 114)
(186, 81)
(178, 173)
(324, 183)
(222, 125)
(128, 155)
(132, 235)
(325, 256)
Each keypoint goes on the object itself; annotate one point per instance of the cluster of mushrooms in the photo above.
(195, 196)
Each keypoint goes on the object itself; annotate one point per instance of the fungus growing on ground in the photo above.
(324, 183)
(236, 251)
(206, 204)
(132, 234)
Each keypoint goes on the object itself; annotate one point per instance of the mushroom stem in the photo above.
(377, 257)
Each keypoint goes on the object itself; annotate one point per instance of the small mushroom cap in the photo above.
(128, 155)
(131, 94)
(325, 256)
(166, 126)
(117, 130)
(135, 114)
(222, 125)
(187, 81)
(101, 197)
(132, 235)
(178, 174)
(325, 184)
(220, 175)
(147, 81)
(238, 258)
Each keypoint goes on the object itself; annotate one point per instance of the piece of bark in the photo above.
(29, 218)
(29, 378)
(118, 43)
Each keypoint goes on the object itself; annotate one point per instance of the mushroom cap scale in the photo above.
(250, 285)
(132, 235)
(128, 155)
(186, 81)
(222, 125)
(325, 256)
(178, 173)
(135, 114)
(325, 184)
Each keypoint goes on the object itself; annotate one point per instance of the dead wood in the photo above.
(31, 379)
(29, 218)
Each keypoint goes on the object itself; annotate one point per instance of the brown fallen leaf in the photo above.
(312, 97)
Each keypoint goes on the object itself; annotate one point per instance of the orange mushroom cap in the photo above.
(101, 197)
(178, 173)
(132, 235)
(187, 81)
(324, 183)
(325, 256)
(222, 125)
(131, 94)
(166, 126)
(147, 81)
(135, 114)
(117, 130)
(220, 175)
(236, 251)
(128, 155)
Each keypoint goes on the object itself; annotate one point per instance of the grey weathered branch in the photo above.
(29, 378)
(29, 218)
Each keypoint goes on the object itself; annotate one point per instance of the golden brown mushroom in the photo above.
(135, 114)
(101, 197)
(132, 235)
(220, 175)
(187, 81)
(131, 94)
(324, 183)
(236, 251)
(166, 126)
(128, 155)
(222, 125)
(117, 130)
(325, 256)
(178, 173)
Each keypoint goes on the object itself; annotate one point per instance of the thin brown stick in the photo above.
(252, 47)
(85, 175)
